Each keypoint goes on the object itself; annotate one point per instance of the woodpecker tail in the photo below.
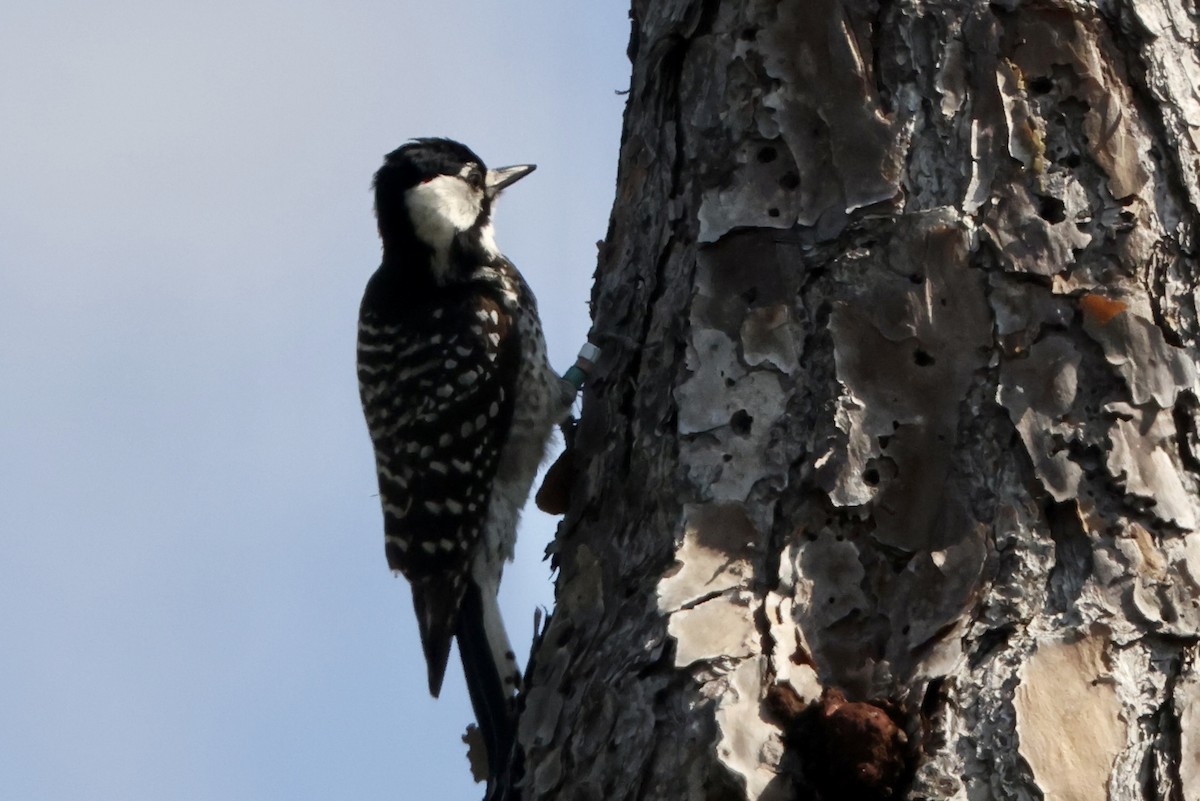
(491, 679)
(436, 604)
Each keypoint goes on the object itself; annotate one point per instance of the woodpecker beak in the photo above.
(500, 178)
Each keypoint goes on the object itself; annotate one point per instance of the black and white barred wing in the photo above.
(438, 397)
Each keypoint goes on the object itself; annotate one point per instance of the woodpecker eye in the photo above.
(475, 179)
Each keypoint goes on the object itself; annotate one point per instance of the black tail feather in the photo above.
(493, 707)
(435, 604)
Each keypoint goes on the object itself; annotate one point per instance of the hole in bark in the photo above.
(879, 470)
(767, 154)
(1074, 561)
(1051, 209)
(933, 697)
(789, 180)
(884, 439)
(922, 358)
(750, 295)
(1041, 85)
(749, 34)
(772, 212)
(729, 382)
(988, 642)
(917, 278)
(727, 457)
(1072, 160)
(906, 630)
(741, 423)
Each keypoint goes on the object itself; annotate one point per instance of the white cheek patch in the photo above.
(487, 238)
(440, 209)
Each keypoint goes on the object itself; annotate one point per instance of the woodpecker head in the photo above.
(436, 196)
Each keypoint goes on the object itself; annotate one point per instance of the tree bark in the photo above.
(887, 477)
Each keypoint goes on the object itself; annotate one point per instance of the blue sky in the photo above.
(194, 602)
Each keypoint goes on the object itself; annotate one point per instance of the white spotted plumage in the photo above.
(460, 402)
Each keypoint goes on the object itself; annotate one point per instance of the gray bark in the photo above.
(888, 474)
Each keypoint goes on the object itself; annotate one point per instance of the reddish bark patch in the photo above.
(850, 750)
(1100, 308)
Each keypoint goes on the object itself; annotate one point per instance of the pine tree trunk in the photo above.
(887, 475)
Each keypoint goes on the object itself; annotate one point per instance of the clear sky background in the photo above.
(194, 602)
